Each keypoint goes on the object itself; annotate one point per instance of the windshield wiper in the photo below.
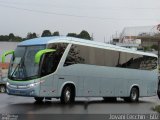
(15, 70)
(20, 69)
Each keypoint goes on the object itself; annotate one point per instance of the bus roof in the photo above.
(48, 40)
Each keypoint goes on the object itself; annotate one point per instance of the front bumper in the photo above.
(23, 90)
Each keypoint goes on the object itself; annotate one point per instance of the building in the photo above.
(5, 46)
(146, 38)
(143, 35)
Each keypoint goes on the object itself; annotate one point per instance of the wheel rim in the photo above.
(68, 95)
(134, 95)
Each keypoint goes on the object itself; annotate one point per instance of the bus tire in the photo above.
(2, 89)
(39, 99)
(134, 95)
(67, 95)
(158, 90)
(158, 93)
(110, 99)
(126, 99)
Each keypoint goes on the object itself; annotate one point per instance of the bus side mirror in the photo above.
(5, 54)
(40, 53)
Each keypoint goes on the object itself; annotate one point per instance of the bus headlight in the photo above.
(33, 84)
(7, 84)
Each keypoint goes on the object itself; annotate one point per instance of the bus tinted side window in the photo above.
(149, 63)
(135, 61)
(51, 60)
(77, 55)
(99, 57)
(129, 60)
(111, 58)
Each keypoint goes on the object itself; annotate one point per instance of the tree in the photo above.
(34, 35)
(158, 27)
(56, 33)
(72, 34)
(155, 47)
(17, 39)
(31, 35)
(147, 48)
(4, 38)
(11, 37)
(84, 35)
(46, 33)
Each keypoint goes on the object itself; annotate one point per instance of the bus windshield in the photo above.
(22, 64)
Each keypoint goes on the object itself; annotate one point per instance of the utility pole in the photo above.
(158, 28)
(158, 52)
(92, 37)
(104, 39)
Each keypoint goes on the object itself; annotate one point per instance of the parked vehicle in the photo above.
(158, 91)
(2, 82)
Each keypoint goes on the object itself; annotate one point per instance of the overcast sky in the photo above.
(102, 18)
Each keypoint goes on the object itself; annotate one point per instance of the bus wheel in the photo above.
(67, 95)
(2, 88)
(39, 99)
(110, 99)
(134, 95)
(158, 91)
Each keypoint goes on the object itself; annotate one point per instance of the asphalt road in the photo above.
(25, 108)
(26, 105)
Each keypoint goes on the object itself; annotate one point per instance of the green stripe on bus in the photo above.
(16, 81)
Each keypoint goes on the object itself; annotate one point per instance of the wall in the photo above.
(5, 46)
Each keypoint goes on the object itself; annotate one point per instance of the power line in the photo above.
(88, 7)
(53, 13)
(68, 15)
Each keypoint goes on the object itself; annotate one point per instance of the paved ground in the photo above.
(25, 105)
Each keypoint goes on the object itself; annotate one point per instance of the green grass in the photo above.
(157, 108)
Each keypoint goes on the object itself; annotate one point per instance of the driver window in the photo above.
(51, 60)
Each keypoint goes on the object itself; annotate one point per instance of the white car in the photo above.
(158, 91)
(2, 83)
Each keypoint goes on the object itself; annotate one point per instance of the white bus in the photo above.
(66, 67)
